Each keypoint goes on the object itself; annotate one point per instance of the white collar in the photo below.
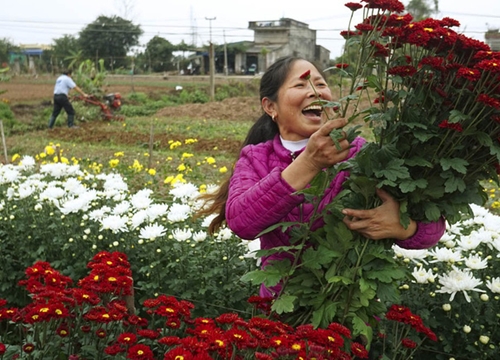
(294, 145)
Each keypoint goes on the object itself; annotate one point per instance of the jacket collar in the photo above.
(283, 153)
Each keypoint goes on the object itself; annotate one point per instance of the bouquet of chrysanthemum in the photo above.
(435, 116)
(435, 113)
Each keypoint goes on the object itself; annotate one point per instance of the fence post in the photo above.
(3, 143)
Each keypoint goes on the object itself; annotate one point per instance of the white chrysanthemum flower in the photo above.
(27, 162)
(200, 236)
(59, 170)
(178, 212)
(182, 234)
(141, 199)
(99, 214)
(74, 186)
(52, 192)
(415, 255)
(423, 276)
(11, 193)
(115, 223)
(459, 281)
(9, 174)
(224, 234)
(156, 210)
(25, 190)
(206, 221)
(475, 262)
(479, 210)
(153, 231)
(447, 236)
(139, 218)
(184, 191)
(445, 255)
(121, 208)
(469, 242)
(496, 245)
(494, 285)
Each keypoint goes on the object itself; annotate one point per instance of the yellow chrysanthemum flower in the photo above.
(175, 144)
(49, 150)
(15, 157)
(210, 160)
(113, 163)
(181, 167)
(223, 170)
(118, 153)
(152, 172)
(186, 155)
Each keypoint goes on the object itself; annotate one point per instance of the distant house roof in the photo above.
(33, 52)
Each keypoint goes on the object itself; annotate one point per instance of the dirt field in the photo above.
(28, 97)
(20, 94)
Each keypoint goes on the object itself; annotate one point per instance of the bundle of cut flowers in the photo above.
(94, 320)
(435, 117)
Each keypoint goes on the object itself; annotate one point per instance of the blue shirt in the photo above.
(63, 85)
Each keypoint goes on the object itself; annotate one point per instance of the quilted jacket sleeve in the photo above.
(257, 198)
(426, 236)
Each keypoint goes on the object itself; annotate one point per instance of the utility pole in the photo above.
(225, 55)
(212, 62)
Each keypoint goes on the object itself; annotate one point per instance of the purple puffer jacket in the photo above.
(259, 197)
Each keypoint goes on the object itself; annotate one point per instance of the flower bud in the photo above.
(484, 297)
(446, 307)
(466, 329)
(484, 339)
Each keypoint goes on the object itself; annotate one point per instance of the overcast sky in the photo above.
(41, 21)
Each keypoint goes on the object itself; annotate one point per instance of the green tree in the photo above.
(109, 38)
(5, 47)
(61, 54)
(160, 54)
(421, 9)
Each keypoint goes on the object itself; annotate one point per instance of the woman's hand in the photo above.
(383, 222)
(319, 153)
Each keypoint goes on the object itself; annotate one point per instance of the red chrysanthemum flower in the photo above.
(489, 101)
(306, 75)
(402, 70)
(385, 5)
(3, 348)
(101, 333)
(408, 343)
(262, 356)
(178, 353)
(444, 125)
(227, 318)
(114, 349)
(148, 333)
(140, 352)
(28, 348)
(468, 74)
(346, 34)
(364, 27)
(169, 340)
(62, 330)
(341, 66)
(359, 350)
(353, 6)
(127, 338)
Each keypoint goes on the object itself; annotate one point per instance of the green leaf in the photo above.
(407, 186)
(431, 210)
(454, 184)
(456, 116)
(393, 170)
(284, 304)
(361, 328)
(325, 314)
(386, 275)
(257, 277)
(313, 259)
(457, 164)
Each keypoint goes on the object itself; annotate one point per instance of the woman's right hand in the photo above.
(321, 150)
(319, 153)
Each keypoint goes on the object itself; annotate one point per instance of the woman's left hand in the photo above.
(383, 222)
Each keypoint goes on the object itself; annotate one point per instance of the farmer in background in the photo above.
(284, 150)
(64, 84)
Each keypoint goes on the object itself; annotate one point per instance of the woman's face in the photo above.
(295, 117)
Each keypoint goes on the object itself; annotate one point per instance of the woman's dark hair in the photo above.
(263, 130)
